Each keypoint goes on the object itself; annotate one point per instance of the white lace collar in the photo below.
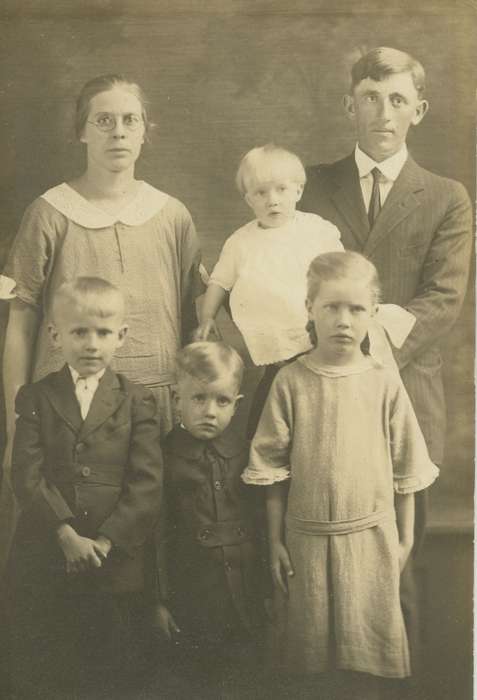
(147, 202)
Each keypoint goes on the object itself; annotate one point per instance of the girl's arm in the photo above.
(279, 557)
(213, 300)
(404, 505)
(20, 343)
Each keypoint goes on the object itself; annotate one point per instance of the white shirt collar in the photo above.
(390, 168)
(93, 377)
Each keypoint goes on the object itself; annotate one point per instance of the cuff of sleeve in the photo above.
(412, 483)
(265, 476)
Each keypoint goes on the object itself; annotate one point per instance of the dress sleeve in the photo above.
(191, 282)
(31, 257)
(269, 460)
(412, 466)
(225, 272)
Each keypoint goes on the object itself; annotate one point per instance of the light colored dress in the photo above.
(264, 269)
(149, 250)
(348, 438)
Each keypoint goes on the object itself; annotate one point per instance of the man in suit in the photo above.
(415, 226)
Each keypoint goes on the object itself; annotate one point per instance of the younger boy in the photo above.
(212, 558)
(86, 470)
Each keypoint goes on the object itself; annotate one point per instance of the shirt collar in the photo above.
(229, 444)
(93, 377)
(390, 168)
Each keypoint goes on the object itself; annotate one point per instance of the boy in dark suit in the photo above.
(212, 558)
(87, 473)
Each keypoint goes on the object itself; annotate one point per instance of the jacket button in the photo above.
(217, 485)
(80, 447)
(228, 566)
(85, 514)
(240, 532)
(204, 534)
(86, 471)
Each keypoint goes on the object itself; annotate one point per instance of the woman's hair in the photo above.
(208, 361)
(378, 64)
(96, 295)
(269, 162)
(104, 83)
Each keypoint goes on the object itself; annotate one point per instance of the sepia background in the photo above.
(222, 77)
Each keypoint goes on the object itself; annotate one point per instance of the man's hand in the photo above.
(80, 552)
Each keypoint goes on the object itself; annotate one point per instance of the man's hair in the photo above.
(378, 64)
(268, 162)
(208, 361)
(96, 295)
(342, 265)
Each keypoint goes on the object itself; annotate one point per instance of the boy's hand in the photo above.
(102, 546)
(164, 621)
(205, 329)
(80, 552)
(280, 563)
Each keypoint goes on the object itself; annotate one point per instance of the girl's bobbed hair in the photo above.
(104, 83)
(342, 265)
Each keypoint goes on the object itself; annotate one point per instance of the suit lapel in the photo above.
(401, 201)
(348, 200)
(107, 399)
(61, 394)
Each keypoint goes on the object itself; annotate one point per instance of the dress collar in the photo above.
(365, 365)
(182, 443)
(390, 168)
(147, 202)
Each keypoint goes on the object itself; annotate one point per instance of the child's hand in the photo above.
(164, 621)
(80, 552)
(280, 563)
(205, 329)
(102, 546)
(405, 549)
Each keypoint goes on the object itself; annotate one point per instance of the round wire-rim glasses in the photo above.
(108, 122)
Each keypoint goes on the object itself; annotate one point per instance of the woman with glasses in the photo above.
(108, 224)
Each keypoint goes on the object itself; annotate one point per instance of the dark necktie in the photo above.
(375, 201)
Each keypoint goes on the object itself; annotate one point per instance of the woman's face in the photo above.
(118, 148)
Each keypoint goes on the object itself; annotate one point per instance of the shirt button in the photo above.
(85, 513)
(217, 485)
(86, 471)
(228, 566)
(80, 447)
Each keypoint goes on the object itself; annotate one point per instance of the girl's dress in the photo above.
(149, 250)
(348, 439)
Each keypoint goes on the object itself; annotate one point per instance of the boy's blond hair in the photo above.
(207, 361)
(95, 294)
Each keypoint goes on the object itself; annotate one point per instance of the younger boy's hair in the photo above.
(207, 361)
(266, 163)
(381, 62)
(94, 294)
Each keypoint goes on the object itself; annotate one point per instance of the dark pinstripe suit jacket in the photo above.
(421, 246)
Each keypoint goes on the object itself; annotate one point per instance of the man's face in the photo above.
(383, 111)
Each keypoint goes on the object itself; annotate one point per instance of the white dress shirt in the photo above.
(85, 388)
(389, 169)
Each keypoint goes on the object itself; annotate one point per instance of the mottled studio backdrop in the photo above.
(223, 77)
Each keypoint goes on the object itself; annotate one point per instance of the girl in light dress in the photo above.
(340, 452)
(263, 264)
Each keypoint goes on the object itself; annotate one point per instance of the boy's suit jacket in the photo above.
(103, 475)
(420, 245)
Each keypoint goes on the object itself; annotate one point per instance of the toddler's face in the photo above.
(273, 201)
(206, 409)
(88, 341)
(341, 312)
